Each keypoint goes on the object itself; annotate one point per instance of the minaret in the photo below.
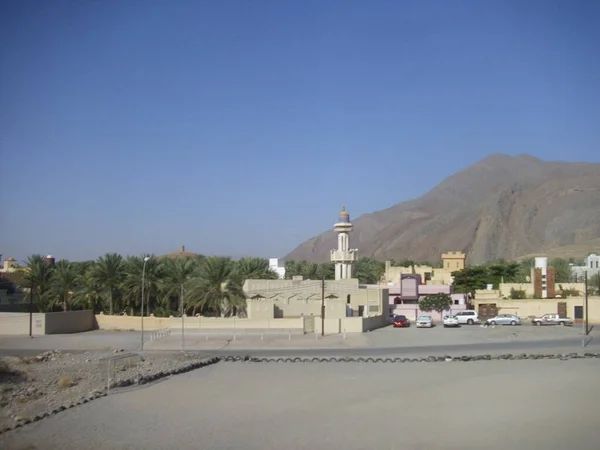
(343, 257)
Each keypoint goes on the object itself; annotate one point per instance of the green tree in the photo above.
(594, 284)
(37, 280)
(109, 272)
(216, 287)
(131, 284)
(562, 270)
(368, 270)
(176, 273)
(88, 293)
(64, 281)
(470, 279)
(255, 269)
(309, 270)
(502, 271)
(436, 302)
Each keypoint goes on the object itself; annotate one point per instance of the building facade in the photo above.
(451, 262)
(591, 266)
(278, 267)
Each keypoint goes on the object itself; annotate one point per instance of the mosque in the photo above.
(342, 297)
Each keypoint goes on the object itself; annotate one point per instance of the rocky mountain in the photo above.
(501, 207)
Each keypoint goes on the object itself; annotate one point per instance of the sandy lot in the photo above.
(544, 404)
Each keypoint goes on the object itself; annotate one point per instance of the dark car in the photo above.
(401, 322)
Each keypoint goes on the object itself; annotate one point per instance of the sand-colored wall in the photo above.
(46, 323)
(537, 307)
(107, 322)
(294, 298)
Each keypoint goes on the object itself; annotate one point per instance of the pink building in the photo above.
(410, 289)
(405, 295)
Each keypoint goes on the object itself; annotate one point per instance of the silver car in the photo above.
(424, 322)
(504, 319)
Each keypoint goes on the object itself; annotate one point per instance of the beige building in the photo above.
(504, 290)
(9, 265)
(271, 299)
(573, 307)
(343, 297)
(451, 262)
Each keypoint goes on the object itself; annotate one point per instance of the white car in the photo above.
(450, 321)
(424, 322)
(470, 317)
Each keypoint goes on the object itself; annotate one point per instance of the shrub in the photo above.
(517, 294)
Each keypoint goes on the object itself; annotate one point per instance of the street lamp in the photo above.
(146, 259)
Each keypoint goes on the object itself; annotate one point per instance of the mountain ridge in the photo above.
(499, 207)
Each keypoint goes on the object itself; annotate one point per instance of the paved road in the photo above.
(383, 342)
(496, 405)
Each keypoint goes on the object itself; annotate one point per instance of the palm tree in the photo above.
(37, 279)
(216, 286)
(108, 272)
(369, 271)
(87, 293)
(132, 282)
(176, 273)
(309, 270)
(63, 281)
(255, 269)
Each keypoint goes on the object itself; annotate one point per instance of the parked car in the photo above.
(504, 319)
(401, 321)
(470, 317)
(551, 319)
(424, 322)
(451, 321)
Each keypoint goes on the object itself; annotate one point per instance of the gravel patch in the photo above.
(32, 388)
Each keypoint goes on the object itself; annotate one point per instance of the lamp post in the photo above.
(146, 259)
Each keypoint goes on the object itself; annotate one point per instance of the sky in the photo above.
(241, 127)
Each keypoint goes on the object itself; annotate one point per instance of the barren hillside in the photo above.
(500, 207)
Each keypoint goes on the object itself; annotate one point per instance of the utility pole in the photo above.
(586, 304)
(323, 304)
(31, 310)
(182, 321)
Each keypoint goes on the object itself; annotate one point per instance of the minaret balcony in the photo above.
(343, 256)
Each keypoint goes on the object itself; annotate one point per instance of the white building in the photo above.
(591, 266)
(277, 267)
(344, 256)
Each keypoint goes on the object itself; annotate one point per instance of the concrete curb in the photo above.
(509, 356)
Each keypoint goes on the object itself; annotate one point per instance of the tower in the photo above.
(343, 257)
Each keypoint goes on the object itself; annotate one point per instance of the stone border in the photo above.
(509, 356)
(99, 393)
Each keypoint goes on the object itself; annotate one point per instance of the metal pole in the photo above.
(143, 274)
(31, 310)
(323, 305)
(587, 328)
(182, 323)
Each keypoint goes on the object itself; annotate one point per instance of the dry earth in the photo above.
(33, 386)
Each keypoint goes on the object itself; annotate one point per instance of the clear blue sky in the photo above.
(240, 127)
